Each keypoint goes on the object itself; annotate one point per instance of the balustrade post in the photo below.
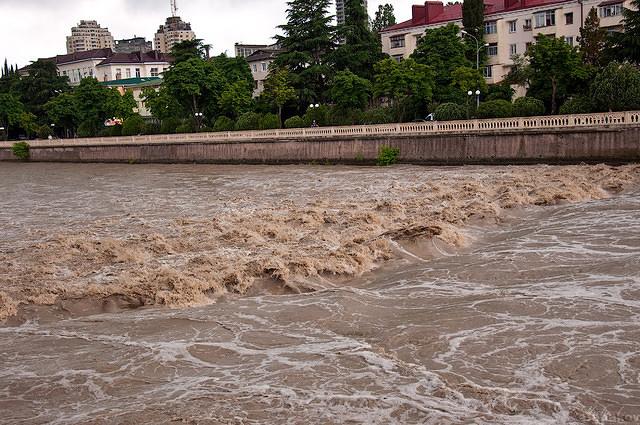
(627, 117)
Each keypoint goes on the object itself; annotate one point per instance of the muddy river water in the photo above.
(296, 295)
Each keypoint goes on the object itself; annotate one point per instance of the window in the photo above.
(513, 26)
(154, 72)
(492, 50)
(137, 72)
(569, 41)
(545, 19)
(264, 66)
(568, 18)
(397, 41)
(118, 73)
(513, 49)
(398, 58)
(128, 72)
(255, 67)
(487, 71)
(527, 25)
(490, 27)
(611, 10)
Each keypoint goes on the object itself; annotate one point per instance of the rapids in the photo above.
(206, 295)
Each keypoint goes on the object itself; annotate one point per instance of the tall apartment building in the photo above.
(174, 31)
(88, 35)
(510, 26)
(132, 45)
(340, 10)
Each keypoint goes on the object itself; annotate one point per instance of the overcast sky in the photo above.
(30, 29)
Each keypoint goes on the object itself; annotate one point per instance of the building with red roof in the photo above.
(510, 26)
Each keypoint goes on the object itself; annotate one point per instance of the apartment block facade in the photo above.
(88, 35)
(174, 31)
(510, 26)
(259, 63)
(132, 45)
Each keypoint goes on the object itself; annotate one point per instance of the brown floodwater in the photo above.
(268, 295)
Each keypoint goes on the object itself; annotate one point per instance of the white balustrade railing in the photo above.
(613, 119)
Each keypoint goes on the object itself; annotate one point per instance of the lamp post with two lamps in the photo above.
(199, 116)
(314, 106)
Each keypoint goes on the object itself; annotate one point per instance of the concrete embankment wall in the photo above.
(620, 144)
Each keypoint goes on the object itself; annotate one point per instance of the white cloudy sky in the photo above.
(37, 28)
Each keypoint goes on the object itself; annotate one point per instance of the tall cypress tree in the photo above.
(473, 18)
(592, 39)
(626, 45)
(360, 48)
(5, 70)
(308, 37)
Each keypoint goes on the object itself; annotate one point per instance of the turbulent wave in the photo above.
(301, 242)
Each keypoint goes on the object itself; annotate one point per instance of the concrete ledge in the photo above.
(614, 144)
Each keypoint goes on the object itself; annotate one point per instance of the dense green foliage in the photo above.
(384, 18)
(21, 150)
(133, 125)
(387, 156)
(473, 18)
(248, 121)
(626, 45)
(349, 91)
(451, 111)
(616, 88)
(269, 122)
(224, 124)
(295, 122)
(593, 39)
(495, 109)
(577, 105)
(528, 107)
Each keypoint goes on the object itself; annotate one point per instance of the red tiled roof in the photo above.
(433, 12)
(136, 57)
(79, 56)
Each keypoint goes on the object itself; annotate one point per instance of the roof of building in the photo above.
(80, 56)
(434, 12)
(136, 57)
(261, 55)
(130, 82)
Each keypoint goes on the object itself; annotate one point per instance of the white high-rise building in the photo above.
(174, 31)
(340, 10)
(88, 35)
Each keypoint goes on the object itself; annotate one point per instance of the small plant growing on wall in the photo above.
(388, 156)
(21, 150)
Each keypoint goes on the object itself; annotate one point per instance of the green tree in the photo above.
(473, 18)
(162, 104)
(308, 37)
(467, 79)
(360, 48)
(233, 69)
(384, 18)
(40, 86)
(63, 111)
(188, 49)
(405, 84)
(133, 125)
(616, 88)
(592, 39)
(555, 68)
(95, 103)
(443, 51)
(350, 91)
(278, 90)
(236, 99)
(626, 45)
(11, 110)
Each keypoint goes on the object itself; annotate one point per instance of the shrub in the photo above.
(387, 156)
(170, 125)
(495, 109)
(528, 107)
(186, 126)
(269, 122)
(338, 116)
(21, 150)
(295, 122)
(133, 125)
(248, 121)
(224, 124)
(379, 115)
(577, 105)
(87, 129)
(113, 131)
(500, 91)
(152, 128)
(44, 131)
(450, 112)
(320, 115)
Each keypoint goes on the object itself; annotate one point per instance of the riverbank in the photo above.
(131, 236)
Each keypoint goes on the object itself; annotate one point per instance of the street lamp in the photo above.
(199, 116)
(477, 93)
(478, 48)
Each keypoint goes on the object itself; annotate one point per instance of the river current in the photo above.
(507, 314)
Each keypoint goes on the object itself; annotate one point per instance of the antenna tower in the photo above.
(174, 8)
